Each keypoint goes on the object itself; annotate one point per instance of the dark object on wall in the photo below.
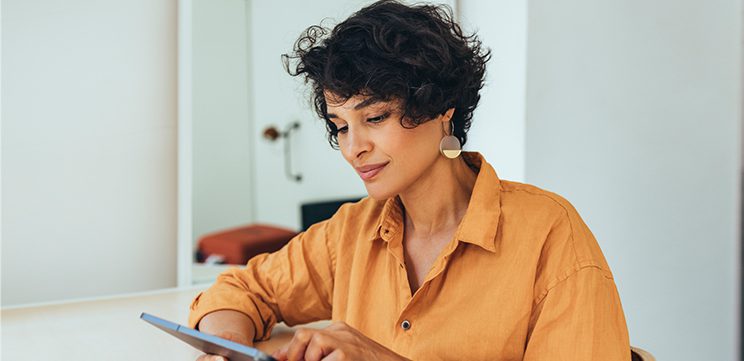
(238, 245)
(272, 134)
(319, 211)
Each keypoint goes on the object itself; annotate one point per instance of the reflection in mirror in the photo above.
(262, 169)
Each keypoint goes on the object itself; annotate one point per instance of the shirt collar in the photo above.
(481, 220)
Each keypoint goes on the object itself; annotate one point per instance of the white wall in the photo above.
(634, 115)
(222, 157)
(498, 129)
(88, 148)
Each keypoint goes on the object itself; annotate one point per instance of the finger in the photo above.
(298, 344)
(206, 357)
(319, 346)
(336, 355)
(281, 353)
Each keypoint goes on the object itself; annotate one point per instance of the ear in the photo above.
(447, 115)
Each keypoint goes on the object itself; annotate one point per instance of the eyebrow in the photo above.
(364, 103)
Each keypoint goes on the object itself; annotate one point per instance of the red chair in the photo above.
(238, 245)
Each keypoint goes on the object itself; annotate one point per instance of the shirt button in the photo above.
(405, 325)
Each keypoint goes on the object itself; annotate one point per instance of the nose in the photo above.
(356, 143)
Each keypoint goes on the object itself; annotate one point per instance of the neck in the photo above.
(453, 181)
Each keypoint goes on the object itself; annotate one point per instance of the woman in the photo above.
(443, 260)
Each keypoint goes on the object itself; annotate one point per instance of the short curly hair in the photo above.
(417, 55)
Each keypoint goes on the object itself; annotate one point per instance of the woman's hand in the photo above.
(338, 341)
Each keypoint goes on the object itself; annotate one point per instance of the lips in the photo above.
(368, 171)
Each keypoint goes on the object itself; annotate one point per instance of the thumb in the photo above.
(281, 353)
(211, 358)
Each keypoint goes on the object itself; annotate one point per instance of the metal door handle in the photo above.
(273, 134)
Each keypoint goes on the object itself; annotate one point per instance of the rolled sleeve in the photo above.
(293, 285)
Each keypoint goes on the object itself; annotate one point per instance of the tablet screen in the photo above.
(208, 343)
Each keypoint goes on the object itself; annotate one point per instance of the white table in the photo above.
(107, 329)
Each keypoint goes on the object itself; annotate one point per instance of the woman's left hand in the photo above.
(336, 342)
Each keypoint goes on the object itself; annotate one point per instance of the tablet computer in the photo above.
(208, 343)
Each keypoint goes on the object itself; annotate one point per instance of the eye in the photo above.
(378, 118)
(335, 128)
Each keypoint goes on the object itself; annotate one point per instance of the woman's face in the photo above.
(388, 157)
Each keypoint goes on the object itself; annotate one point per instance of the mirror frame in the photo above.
(185, 182)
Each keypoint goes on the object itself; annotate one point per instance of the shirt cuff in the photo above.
(211, 300)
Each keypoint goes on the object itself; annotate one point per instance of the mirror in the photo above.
(258, 151)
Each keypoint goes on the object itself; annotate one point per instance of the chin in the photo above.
(379, 192)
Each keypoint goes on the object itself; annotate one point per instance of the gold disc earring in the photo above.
(450, 146)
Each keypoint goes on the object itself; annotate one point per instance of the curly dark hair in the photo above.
(417, 55)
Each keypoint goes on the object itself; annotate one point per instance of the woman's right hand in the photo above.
(230, 325)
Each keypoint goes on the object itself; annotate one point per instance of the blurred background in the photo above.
(134, 133)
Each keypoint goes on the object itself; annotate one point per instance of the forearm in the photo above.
(229, 324)
(245, 294)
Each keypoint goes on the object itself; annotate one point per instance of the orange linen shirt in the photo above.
(522, 279)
